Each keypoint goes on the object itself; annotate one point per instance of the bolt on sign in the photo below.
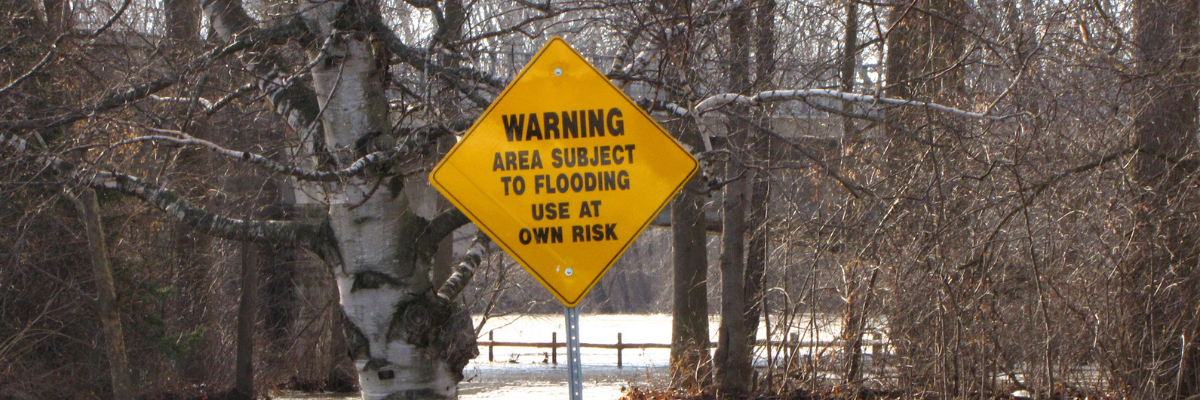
(563, 171)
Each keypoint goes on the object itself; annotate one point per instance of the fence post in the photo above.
(619, 348)
(554, 347)
(491, 345)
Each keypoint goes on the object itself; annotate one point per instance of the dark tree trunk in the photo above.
(449, 31)
(182, 21)
(689, 329)
(852, 326)
(849, 63)
(690, 359)
(59, 18)
(1167, 40)
(279, 295)
(244, 371)
(192, 251)
(922, 62)
(758, 217)
(110, 314)
(735, 348)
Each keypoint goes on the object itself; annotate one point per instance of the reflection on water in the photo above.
(525, 373)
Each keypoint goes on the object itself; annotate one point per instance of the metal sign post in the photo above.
(574, 366)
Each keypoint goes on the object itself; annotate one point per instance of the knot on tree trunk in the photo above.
(442, 329)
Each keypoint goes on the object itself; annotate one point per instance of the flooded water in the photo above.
(521, 372)
(525, 373)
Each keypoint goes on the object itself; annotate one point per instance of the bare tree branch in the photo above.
(258, 159)
(441, 225)
(37, 67)
(219, 104)
(270, 231)
(168, 201)
(414, 58)
(465, 270)
(543, 7)
(717, 101)
(416, 141)
(108, 24)
(547, 10)
(130, 95)
(203, 101)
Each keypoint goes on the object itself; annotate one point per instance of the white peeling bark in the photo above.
(401, 338)
(349, 91)
(396, 333)
(405, 340)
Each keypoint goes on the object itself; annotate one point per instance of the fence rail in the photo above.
(877, 345)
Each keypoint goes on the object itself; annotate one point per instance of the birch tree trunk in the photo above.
(405, 341)
(398, 336)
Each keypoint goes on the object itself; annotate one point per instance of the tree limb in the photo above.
(719, 100)
(269, 231)
(37, 67)
(108, 24)
(258, 159)
(441, 225)
(466, 269)
(168, 201)
(547, 10)
(413, 57)
(130, 95)
(416, 141)
(295, 102)
(219, 104)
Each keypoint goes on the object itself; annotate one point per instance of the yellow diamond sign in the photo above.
(563, 171)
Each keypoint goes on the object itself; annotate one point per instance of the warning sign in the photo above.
(563, 171)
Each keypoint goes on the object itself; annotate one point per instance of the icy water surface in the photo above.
(527, 373)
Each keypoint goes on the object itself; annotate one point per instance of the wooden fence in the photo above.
(877, 345)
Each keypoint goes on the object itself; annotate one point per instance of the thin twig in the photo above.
(110, 22)
(45, 60)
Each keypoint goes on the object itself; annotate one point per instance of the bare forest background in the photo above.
(1005, 190)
